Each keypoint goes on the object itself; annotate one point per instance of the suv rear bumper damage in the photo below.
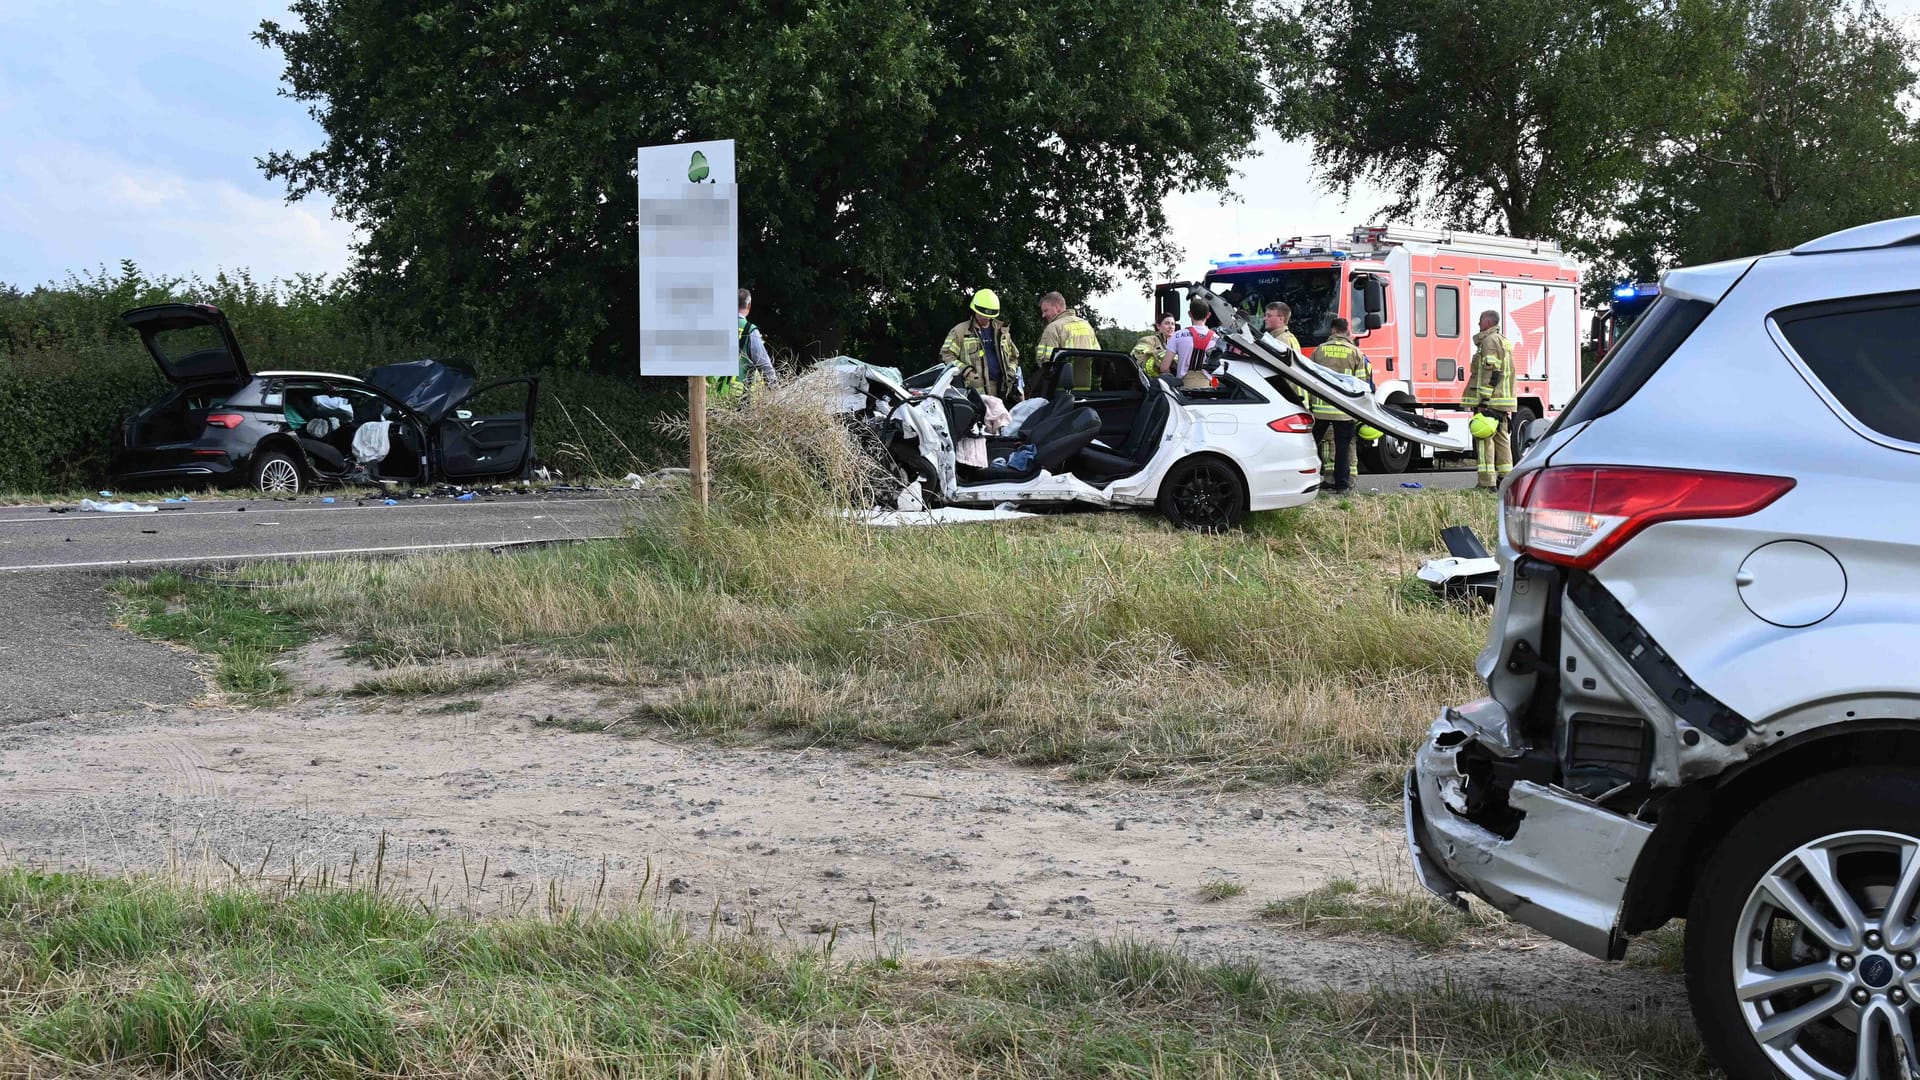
(1563, 869)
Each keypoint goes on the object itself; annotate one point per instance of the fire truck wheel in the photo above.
(1388, 455)
(1522, 416)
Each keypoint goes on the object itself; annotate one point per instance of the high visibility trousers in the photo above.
(1495, 454)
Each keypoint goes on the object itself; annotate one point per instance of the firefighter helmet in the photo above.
(1483, 426)
(1368, 434)
(986, 304)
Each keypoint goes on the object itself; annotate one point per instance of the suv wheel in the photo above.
(1802, 935)
(275, 473)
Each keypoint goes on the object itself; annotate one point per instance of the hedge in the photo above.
(70, 372)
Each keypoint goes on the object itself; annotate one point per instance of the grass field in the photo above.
(117, 977)
(1300, 649)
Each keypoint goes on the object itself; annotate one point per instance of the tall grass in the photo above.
(1109, 642)
(114, 977)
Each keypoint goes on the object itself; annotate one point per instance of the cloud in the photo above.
(1276, 196)
(130, 132)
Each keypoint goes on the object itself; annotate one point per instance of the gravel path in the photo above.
(485, 808)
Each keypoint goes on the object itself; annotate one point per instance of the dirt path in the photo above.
(486, 809)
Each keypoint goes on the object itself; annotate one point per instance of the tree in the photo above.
(1528, 117)
(1810, 138)
(891, 156)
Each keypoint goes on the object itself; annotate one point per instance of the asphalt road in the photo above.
(59, 654)
(1448, 480)
(35, 538)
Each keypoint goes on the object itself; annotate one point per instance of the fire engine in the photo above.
(1413, 298)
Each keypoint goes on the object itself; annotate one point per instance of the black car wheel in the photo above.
(1203, 493)
(1803, 942)
(275, 473)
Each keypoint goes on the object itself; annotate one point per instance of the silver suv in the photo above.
(1703, 675)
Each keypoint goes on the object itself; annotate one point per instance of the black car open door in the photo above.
(489, 434)
(192, 343)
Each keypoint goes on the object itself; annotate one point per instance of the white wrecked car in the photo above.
(1204, 457)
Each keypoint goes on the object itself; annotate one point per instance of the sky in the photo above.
(129, 130)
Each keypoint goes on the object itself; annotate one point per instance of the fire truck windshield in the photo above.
(1313, 294)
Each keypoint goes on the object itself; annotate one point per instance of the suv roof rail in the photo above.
(1893, 232)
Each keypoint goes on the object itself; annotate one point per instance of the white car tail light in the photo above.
(1576, 516)
(1294, 424)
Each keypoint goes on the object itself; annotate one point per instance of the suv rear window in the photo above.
(1634, 358)
(1862, 352)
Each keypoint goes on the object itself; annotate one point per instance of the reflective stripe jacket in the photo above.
(1490, 380)
(1152, 355)
(963, 346)
(1343, 356)
(753, 360)
(1068, 331)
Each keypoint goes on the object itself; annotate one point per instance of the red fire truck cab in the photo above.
(1413, 298)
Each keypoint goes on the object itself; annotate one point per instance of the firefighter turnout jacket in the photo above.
(1341, 355)
(1068, 331)
(1490, 380)
(999, 374)
(1151, 354)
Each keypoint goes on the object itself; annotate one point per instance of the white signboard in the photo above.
(689, 260)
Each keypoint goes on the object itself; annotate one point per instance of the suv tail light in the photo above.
(1298, 424)
(227, 420)
(1578, 515)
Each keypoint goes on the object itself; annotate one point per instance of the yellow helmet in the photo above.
(986, 304)
(1369, 434)
(1483, 426)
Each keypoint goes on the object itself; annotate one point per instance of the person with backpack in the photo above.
(753, 358)
(1191, 345)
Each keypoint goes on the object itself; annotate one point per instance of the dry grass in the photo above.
(1344, 906)
(114, 977)
(1108, 642)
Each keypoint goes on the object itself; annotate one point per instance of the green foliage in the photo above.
(891, 156)
(69, 371)
(1808, 135)
(309, 982)
(1521, 116)
(1120, 339)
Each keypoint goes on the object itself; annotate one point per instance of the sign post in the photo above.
(689, 273)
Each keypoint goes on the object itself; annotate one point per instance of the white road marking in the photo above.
(294, 554)
(44, 518)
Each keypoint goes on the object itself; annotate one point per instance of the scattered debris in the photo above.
(945, 515)
(117, 507)
(1470, 573)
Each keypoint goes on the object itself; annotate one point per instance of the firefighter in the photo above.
(1489, 394)
(1152, 352)
(983, 348)
(1338, 353)
(1065, 330)
(1278, 315)
(753, 358)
